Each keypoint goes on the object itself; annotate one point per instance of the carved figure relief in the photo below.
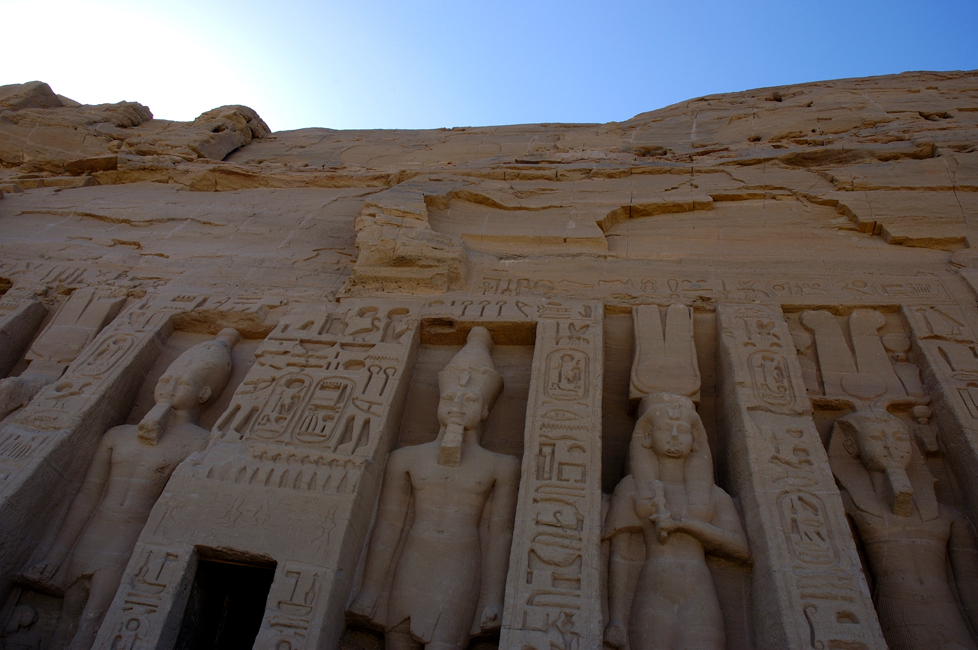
(909, 537)
(131, 466)
(82, 316)
(672, 603)
(435, 586)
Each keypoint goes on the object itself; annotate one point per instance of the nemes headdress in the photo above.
(472, 368)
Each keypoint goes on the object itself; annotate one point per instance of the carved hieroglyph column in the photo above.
(553, 595)
(948, 355)
(291, 477)
(49, 444)
(809, 590)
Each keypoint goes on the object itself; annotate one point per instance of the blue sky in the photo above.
(414, 64)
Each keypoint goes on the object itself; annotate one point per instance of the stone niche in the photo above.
(35, 605)
(503, 432)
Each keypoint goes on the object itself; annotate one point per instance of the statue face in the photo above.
(670, 434)
(181, 390)
(884, 443)
(460, 405)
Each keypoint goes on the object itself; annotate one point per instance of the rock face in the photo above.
(522, 387)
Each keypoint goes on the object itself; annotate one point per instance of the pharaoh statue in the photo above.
(665, 517)
(434, 594)
(128, 472)
(907, 535)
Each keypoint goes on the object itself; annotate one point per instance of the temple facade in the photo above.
(707, 378)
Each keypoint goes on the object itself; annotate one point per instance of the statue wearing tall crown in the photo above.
(439, 579)
(127, 475)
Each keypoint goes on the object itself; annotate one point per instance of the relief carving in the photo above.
(908, 536)
(131, 466)
(673, 603)
(435, 586)
(806, 567)
(80, 318)
(668, 513)
(664, 356)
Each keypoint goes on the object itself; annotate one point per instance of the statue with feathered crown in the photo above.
(128, 472)
(440, 593)
(667, 514)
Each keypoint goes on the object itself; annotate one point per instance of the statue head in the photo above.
(199, 374)
(195, 378)
(878, 438)
(469, 386)
(876, 442)
(667, 422)
(672, 429)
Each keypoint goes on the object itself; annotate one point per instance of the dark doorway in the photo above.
(226, 606)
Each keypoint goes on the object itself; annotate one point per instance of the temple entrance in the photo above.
(226, 606)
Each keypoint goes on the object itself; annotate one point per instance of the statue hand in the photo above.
(665, 525)
(615, 634)
(492, 617)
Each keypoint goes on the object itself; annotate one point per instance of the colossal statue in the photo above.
(907, 535)
(129, 471)
(439, 577)
(673, 603)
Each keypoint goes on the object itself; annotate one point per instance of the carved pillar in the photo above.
(291, 476)
(18, 323)
(553, 595)
(809, 590)
(945, 345)
(48, 445)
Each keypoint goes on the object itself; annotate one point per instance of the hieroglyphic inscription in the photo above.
(553, 598)
(790, 498)
(947, 348)
(667, 290)
(139, 622)
(291, 607)
(287, 468)
(323, 380)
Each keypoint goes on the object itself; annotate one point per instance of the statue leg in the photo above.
(399, 638)
(104, 584)
(71, 612)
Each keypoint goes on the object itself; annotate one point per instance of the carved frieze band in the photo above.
(552, 590)
(807, 566)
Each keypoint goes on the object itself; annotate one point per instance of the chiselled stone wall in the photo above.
(704, 378)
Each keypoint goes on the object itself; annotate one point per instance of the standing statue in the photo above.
(436, 587)
(665, 517)
(907, 535)
(129, 471)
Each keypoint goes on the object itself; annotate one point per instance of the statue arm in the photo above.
(502, 514)
(724, 536)
(80, 511)
(964, 562)
(623, 530)
(395, 497)
(620, 567)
